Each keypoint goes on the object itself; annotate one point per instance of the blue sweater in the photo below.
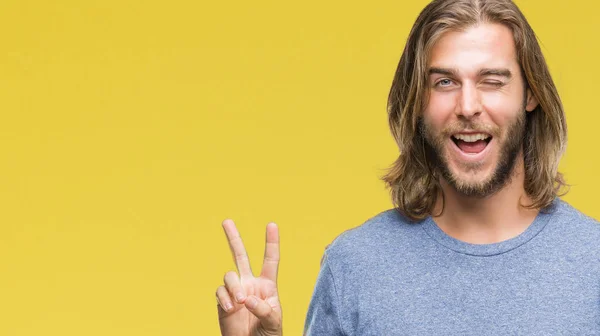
(392, 277)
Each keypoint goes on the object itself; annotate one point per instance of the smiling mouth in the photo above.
(472, 143)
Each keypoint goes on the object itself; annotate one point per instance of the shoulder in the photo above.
(574, 229)
(383, 233)
(570, 218)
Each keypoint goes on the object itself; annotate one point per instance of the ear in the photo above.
(532, 101)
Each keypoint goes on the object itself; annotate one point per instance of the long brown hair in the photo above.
(412, 180)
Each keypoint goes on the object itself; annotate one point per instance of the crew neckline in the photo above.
(538, 224)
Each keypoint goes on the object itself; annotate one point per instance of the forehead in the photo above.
(486, 45)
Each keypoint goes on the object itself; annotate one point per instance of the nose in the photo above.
(469, 104)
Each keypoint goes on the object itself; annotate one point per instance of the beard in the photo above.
(509, 148)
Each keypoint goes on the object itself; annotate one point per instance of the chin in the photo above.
(474, 182)
(473, 172)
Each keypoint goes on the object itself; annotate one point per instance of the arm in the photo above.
(323, 316)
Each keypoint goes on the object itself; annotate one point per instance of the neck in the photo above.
(486, 220)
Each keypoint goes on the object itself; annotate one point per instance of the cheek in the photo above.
(502, 110)
(440, 109)
(498, 100)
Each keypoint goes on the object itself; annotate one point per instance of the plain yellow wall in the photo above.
(130, 129)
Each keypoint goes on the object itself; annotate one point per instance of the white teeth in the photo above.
(471, 137)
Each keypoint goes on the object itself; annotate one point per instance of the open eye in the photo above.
(445, 82)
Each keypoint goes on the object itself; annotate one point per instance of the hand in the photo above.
(249, 305)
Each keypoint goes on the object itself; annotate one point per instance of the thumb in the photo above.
(269, 318)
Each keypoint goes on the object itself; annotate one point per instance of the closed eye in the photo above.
(494, 83)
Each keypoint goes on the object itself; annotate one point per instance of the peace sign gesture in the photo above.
(249, 305)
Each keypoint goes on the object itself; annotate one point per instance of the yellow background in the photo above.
(130, 129)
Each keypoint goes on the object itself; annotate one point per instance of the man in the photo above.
(479, 242)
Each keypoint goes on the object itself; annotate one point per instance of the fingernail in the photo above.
(252, 303)
(228, 306)
(240, 297)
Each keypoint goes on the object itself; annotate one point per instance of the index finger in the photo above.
(237, 248)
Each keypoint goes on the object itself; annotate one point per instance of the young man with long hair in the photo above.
(478, 242)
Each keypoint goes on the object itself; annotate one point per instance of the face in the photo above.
(474, 122)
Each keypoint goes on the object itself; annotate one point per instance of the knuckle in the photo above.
(272, 260)
(221, 290)
(229, 276)
(268, 316)
(236, 239)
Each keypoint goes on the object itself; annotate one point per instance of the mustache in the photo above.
(470, 126)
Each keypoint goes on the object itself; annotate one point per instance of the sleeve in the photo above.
(323, 316)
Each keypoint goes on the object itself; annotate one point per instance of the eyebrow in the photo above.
(503, 72)
(443, 71)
